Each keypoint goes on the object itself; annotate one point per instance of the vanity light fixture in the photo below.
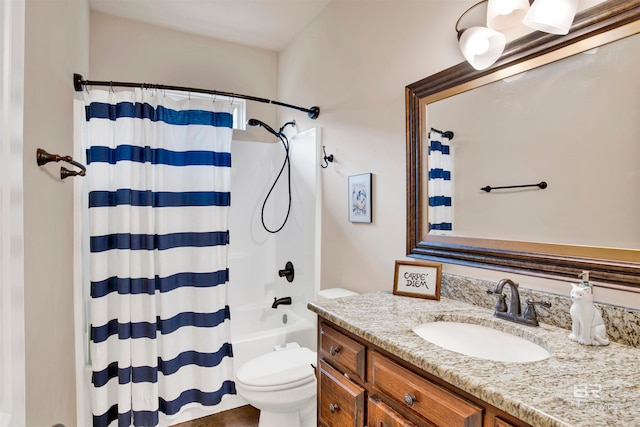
(551, 16)
(480, 46)
(502, 14)
(483, 46)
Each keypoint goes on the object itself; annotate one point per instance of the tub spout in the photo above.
(281, 301)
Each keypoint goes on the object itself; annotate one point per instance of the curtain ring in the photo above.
(111, 87)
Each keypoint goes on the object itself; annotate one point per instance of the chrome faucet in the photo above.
(514, 312)
(281, 301)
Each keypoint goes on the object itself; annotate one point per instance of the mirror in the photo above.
(557, 231)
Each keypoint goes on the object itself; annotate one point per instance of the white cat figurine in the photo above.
(588, 327)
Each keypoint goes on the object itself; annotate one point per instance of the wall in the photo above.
(354, 61)
(56, 46)
(172, 57)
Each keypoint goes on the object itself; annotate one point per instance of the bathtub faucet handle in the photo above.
(287, 272)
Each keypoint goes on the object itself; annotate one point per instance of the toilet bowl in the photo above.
(282, 384)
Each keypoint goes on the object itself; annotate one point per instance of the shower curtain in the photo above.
(440, 211)
(158, 174)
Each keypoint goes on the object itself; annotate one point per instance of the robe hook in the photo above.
(327, 159)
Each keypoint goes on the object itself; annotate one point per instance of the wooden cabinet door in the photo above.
(341, 401)
(381, 415)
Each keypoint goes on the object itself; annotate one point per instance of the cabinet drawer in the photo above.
(381, 415)
(425, 398)
(341, 400)
(342, 352)
(497, 422)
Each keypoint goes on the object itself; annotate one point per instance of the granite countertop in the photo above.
(577, 386)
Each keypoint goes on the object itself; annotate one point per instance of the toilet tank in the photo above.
(332, 293)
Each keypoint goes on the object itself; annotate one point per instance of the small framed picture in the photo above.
(418, 279)
(360, 198)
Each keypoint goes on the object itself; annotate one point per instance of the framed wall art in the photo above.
(420, 279)
(360, 197)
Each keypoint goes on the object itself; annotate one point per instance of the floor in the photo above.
(244, 416)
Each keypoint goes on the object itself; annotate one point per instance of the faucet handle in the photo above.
(531, 302)
(530, 311)
(501, 305)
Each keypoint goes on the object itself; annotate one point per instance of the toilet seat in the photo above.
(278, 370)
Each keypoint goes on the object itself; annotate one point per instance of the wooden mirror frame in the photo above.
(609, 267)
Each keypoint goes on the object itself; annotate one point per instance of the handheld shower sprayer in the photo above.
(256, 122)
(287, 163)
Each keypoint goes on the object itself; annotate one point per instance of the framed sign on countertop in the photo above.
(420, 279)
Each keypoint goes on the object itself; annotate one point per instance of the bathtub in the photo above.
(256, 330)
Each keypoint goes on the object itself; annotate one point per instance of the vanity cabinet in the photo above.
(360, 384)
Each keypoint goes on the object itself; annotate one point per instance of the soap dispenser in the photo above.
(587, 325)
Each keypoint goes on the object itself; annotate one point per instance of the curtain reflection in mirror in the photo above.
(439, 158)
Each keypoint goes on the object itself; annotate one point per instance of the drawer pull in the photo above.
(409, 399)
(333, 407)
(334, 350)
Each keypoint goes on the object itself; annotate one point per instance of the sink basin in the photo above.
(481, 342)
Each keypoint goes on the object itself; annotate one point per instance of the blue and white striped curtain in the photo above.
(158, 174)
(440, 212)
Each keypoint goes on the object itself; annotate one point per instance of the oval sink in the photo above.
(481, 342)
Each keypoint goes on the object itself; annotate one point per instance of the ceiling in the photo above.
(265, 24)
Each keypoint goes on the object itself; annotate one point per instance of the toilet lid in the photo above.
(278, 368)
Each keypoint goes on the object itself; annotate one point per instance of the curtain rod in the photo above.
(79, 83)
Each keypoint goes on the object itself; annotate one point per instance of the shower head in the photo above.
(256, 122)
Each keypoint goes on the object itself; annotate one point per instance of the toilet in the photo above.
(282, 384)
